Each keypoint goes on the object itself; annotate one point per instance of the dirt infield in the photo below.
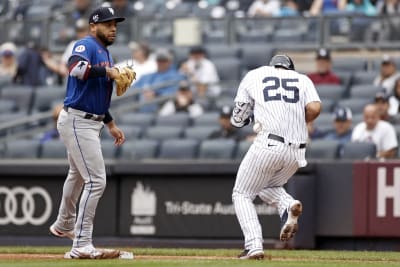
(22, 256)
(11, 256)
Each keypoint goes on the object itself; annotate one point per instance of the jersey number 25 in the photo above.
(286, 84)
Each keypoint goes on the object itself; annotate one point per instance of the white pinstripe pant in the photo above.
(263, 172)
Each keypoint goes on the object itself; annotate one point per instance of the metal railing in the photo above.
(30, 125)
(339, 31)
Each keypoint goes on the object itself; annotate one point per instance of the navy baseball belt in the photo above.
(84, 114)
(282, 140)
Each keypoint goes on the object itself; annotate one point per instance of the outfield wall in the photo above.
(344, 202)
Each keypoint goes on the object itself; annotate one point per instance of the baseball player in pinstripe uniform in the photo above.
(281, 101)
(89, 89)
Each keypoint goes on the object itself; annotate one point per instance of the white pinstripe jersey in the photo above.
(279, 97)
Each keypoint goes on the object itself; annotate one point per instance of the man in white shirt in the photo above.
(142, 59)
(201, 72)
(264, 8)
(374, 130)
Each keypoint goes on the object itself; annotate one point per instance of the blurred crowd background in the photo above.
(190, 57)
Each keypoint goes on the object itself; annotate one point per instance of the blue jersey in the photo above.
(92, 95)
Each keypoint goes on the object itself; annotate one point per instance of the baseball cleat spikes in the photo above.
(61, 234)
(90, 252)
(257, 254)
(289, 220)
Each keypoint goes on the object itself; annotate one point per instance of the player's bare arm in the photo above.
(391, 153)
(117, 133)
(313, 109)
(112, 72)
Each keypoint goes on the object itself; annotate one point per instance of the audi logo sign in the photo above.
(11, 200)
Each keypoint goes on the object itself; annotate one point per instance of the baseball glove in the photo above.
(124, 79)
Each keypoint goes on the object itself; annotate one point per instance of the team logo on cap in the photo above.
(111, 10)
(96, 17)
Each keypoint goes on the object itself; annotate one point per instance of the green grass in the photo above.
(148, 257)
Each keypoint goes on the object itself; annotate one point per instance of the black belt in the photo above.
(282, 140)
(84, 114)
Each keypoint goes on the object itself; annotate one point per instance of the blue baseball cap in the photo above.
(103, 14)
(342, 114)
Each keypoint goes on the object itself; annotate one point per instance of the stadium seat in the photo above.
(53, 149)
(178, 149)
(228, 68)
(254, 36)
(130, 132)
(163, 132)
(44, 97)
(349, 64)
(363, 77)
(324, 122)
(21, 95)
(200, 132)
(327, 105)
(354, 150)
(366, 91)
(180, 119)
(254, 56)
(322, 149)
(109, 149)
(134, 150)
(221, 51)
(137, 119)
(331, 91)
(25, 148)
(217, 149)
(242, 148)
(7, 106)
(345, 78)
(223, 101)
(355, 104)
(208, 118)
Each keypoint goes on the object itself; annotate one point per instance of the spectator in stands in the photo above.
(82, 9)
(374, 130)
(342, 123)
(389, 28)
(324, 73)
(122, 8)
(81, 30)
(53, 132)
(142, 60)
(163, 82)
(320, 7)
(382, 105)
(388, 7)
(226, 129)
(34, 68)
(264, 8)
(314, 132)
(183, 102)
(201, 72)
(363, 7)
(388, 74)
(288, 8)
(394, 100)
(8, 61)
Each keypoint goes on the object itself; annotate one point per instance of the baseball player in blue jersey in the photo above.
(85, 112)
(282, 102)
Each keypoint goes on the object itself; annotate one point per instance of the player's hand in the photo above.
(112, 72)
(118, 134)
